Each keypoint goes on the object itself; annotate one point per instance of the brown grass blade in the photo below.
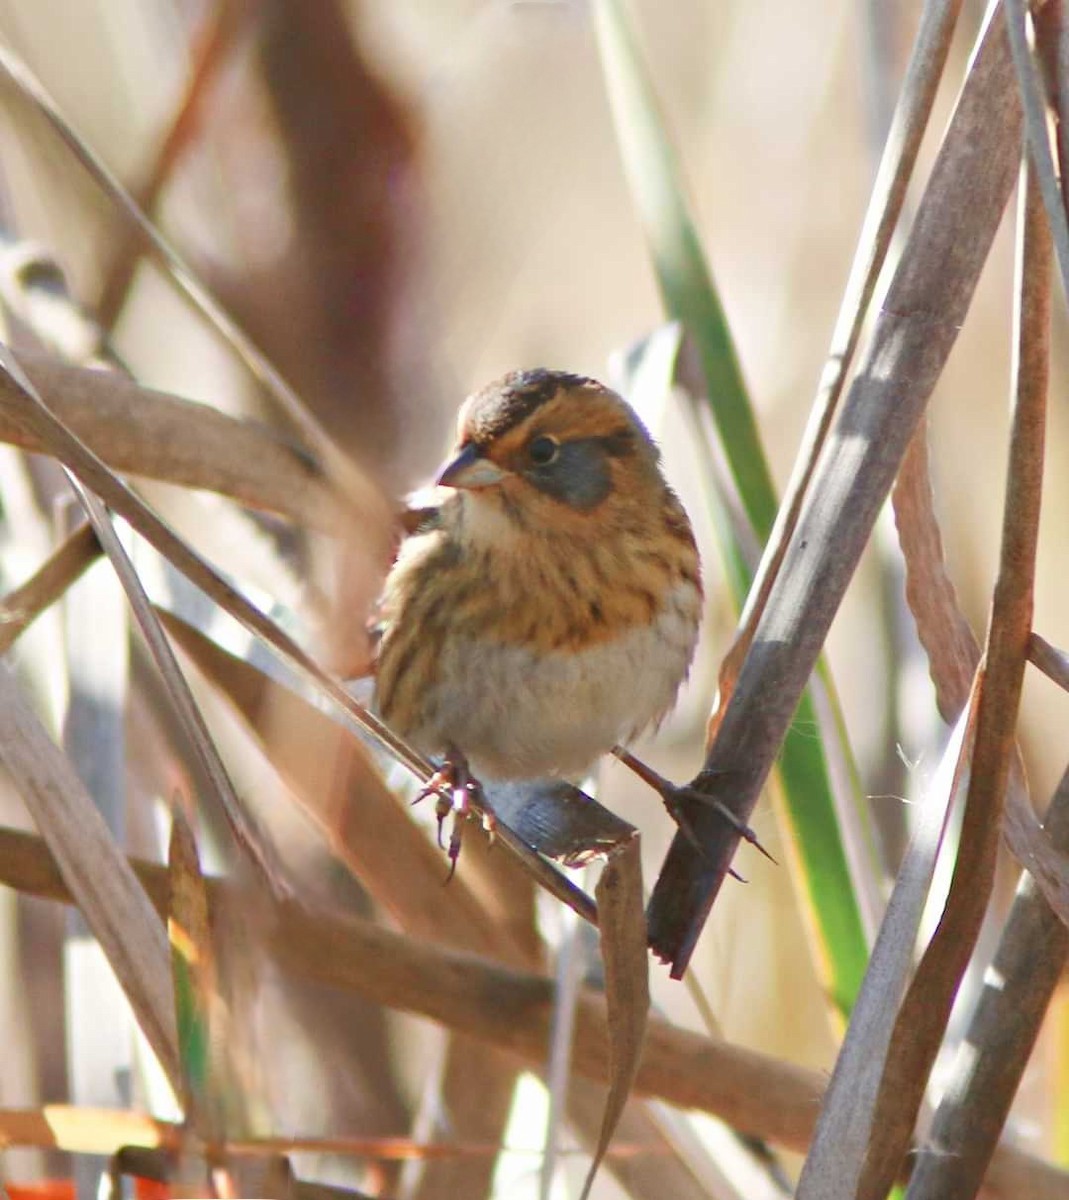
(139, 431)
(246, 835)
(94, 870)
(954, 655)
(47, 584)
(1002, 1031)
(512, 1010)
(622, 925)
(947, 637)
(926, 1008)
(834, 1165)
(924, 309)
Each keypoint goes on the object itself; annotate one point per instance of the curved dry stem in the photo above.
(512, 1010)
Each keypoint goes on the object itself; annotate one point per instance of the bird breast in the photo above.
(520, 712)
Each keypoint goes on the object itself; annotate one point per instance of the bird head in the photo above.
(546, 450)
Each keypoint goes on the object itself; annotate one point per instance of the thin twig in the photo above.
(211, 46)
(1054, 663)
(47, 584)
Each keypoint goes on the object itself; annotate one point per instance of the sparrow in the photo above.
(548, 611)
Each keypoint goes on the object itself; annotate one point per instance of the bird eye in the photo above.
(543, 450)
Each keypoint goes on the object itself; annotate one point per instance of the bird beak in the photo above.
(471, 469)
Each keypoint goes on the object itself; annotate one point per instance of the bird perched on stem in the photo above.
(549, 610)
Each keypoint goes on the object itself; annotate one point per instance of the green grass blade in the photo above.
(683, 274)
(690, 296)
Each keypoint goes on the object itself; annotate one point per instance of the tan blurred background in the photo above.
(509, 239)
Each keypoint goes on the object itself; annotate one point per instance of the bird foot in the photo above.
(676, 795)
(456, 791)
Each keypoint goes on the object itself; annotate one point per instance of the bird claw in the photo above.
(673, 794)
(455, 792)
(682, 792)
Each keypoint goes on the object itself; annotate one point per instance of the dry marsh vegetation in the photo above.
(252, 253)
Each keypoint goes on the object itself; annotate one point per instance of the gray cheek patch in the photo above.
(579, 476)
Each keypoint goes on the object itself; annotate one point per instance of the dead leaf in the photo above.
(622, 925)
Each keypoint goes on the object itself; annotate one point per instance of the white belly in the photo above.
(518, 716)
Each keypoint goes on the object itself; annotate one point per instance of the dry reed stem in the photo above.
(924, 309)
(512, 1010)
(1026, 968)
(622, 928)
(926, 1007)
(847, 1125)
(949, 643)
